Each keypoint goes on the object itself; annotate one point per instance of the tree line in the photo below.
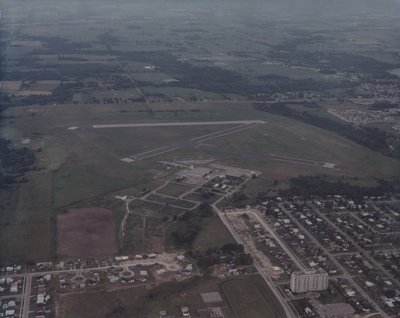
(309, 187)
(14, 163)
(370, 137)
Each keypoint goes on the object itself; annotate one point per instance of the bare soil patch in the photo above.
(45, 85)
(6, 86)
(28, 43)
(86, 232)
(151, 77)
(33, 93)
(157, 244)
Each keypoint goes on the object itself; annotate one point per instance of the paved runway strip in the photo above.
(185, 123)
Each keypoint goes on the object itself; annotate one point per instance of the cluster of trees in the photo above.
(61, 94)
(279, 84)
(317, 186)
(229, 253)
(218, 80)
(58, 44)
(239, 199)
(371, 137)
(14, 162)
(108, 39)
(383, 105)
(5, 101)
(329, 62)
(348, 61)
(63, 72)
(215, 79)
(203, 77)
(118, 310)
(189, 224)
(205, 209)
(186, 233)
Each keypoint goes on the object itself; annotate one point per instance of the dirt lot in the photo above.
(7, 86)
(86, 231)
(27, 43)
(33, 93)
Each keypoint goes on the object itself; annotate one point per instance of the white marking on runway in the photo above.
(187, 123)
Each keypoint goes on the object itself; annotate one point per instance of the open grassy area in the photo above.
(282, 136)
(333, 295)
(212, 234)
(85, 163)
(142, 302)
(27, 227)
(79, 63)
(146, 226)
(250, 298)
(174, 189)
(67, 66)
(181, 93)
(202, 197)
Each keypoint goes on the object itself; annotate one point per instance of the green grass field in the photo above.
(144, 303)
(212, 234)
(174, 189)
(85, 163)
(27, 227)
(77, 166)
(140, 301)
(250, 298)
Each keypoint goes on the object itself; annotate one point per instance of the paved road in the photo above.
(144, 262)
(198, 141)
(288, 311)
(302, 161)
(194, 142)
(167, 260)
(184, 123)
(26, 295)
(391, 217)
(7, 45)
(335, 261)
(277, 238)
(140, 92)
(266, 156)
(357, 246)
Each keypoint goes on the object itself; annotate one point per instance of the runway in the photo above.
(185, 123)
(194, 142)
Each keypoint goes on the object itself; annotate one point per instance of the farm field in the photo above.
(86, 232)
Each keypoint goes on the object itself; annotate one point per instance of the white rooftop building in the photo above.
(307, 281)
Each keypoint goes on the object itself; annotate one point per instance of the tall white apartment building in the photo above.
(308, 281)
